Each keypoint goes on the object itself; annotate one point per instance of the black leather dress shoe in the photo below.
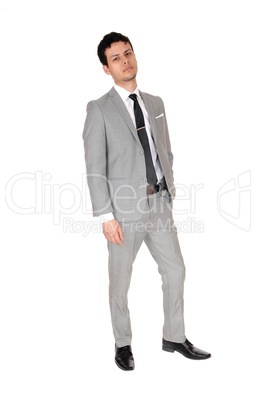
(186, 349)
(124, 358)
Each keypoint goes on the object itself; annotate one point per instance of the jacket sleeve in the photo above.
(95, 146)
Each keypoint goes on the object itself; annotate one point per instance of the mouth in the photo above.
(128, 69)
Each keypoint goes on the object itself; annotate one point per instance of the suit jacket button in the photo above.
(141, 152)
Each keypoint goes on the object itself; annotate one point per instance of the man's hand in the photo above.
(113, 231)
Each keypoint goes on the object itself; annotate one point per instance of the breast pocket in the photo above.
(159, 120)
(160, 129)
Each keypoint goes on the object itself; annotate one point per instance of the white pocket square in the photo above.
(161, 115)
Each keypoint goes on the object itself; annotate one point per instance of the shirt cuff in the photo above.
(107, 217)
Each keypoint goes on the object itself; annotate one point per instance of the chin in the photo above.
(130, 78)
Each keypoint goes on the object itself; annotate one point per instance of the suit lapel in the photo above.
(151, 114)
(116, 99)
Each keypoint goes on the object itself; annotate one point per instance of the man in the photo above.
(130, 178)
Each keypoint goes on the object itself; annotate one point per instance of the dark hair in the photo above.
(107, 42)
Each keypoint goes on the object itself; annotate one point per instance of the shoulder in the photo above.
(98, 101)
(104, 98)
(152, 98)
(101, 103)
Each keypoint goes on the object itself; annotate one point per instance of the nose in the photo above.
(125, 61)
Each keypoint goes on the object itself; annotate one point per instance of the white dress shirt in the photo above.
(129, 103)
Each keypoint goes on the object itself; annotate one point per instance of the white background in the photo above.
(56, 338)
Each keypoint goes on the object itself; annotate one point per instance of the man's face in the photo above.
(122, 64)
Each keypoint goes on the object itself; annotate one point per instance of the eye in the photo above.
(116, 58)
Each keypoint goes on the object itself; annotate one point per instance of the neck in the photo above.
(128, 85)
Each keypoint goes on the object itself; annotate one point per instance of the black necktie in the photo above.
(141, 130)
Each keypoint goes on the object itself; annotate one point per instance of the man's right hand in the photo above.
(113, 232)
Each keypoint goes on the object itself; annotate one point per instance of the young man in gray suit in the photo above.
(129, 172)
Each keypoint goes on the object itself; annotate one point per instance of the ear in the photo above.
(106, 70)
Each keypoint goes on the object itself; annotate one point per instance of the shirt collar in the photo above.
(124, 93)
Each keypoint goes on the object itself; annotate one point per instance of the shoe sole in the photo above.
(129, 369)
(171, 350)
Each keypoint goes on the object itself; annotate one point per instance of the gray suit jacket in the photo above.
(115, 162)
